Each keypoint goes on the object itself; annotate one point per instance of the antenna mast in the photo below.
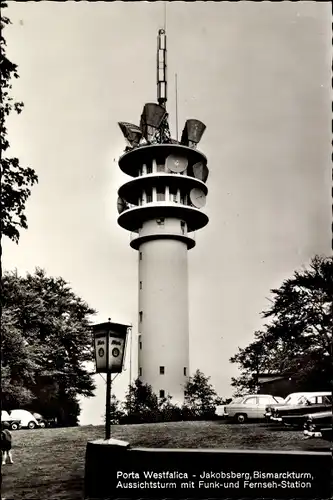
(176, 85)
(161, 68)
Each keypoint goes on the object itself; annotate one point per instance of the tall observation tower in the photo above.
(162, 208)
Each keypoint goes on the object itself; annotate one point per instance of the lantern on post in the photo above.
(109, 345)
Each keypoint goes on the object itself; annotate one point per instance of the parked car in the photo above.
(43, 421)
(9, 422)
(299, 399)
(28, 421)
(247, 407)
(327, 433)
(317, 423)
(294, 416)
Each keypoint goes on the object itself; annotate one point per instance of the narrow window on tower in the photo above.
(149, 195)
(185, 371)
(140, 344)
(183, 199)
(173, 194)
(140, 372)
(162, 393)
(149, 168)
(140, 316)
(160, 194)
(182, 226)
(140, 255)
(140, 285)
(162, 370)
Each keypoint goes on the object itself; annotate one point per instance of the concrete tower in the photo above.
(161, 207)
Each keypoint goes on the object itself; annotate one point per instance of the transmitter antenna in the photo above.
(161, 68)
(176, 85)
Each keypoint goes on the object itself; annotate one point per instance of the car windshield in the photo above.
(303, 401)
(290, 400)
(236, 401)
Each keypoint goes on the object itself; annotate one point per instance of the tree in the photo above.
(298, 337)
(16, 180)
(168, 411)
(46, 343)
(200, 396)
(17, 364)
(141, 403)
(117, 412)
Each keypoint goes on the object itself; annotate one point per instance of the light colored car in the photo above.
(11, 422)
(28, 421)
(247, 407)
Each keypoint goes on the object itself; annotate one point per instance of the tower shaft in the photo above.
(163, 354)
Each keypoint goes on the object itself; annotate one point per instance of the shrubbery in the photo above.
(142, 405)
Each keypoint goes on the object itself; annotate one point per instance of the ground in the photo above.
(49, 463)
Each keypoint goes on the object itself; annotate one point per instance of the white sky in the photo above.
(257, 74)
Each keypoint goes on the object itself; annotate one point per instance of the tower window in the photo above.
(140, 316)
(140, 345)
(173, 194)
(140, 285)
(162, 370)
(140, 255)
(185, 371)
(160, 194)
(182, 226)
(149, 195)
(162, 393)
(183, 199)
(140, 372)
(149, 169)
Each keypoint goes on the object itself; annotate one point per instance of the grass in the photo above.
(49, 463)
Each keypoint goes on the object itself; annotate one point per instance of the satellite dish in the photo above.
(192, 132)
(197, 197)
(121, 205)
(176, 164)
(200, 171)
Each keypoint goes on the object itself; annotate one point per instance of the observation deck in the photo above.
(167, 186)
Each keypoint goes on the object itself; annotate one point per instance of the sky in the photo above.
(256, 73)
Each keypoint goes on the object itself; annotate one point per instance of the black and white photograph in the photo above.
(166, 250)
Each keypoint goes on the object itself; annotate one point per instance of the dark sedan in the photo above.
(318, 424)
(306, 404)
(327, 433)
(295, 415)
(44, 422)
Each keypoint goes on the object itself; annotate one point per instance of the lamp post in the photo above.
(109, 346)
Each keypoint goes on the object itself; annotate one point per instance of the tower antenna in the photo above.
(161, 68)
(176, 107)
(165, 15)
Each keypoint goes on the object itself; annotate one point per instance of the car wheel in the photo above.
(31, 425)
(14, 427)
(42, 425)
(241, 418)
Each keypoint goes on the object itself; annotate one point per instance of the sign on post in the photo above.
(110, 344)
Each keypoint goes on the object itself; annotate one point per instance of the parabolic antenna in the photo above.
(176, 164)
(200, 171)
(197, 197)
(121, 205)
